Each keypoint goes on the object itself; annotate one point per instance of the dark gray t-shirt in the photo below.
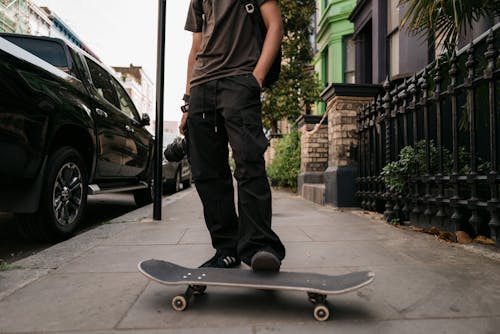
(229, 45)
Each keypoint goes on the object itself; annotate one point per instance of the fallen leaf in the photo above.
(447, 236)
(463, 238)
(481, 239)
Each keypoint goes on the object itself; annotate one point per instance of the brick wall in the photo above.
(314, 148)
(342, 115)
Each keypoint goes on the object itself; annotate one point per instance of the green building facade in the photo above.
(334, 59)
(14, 16)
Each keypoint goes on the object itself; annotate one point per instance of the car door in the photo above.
(110, 122)
(138, 141)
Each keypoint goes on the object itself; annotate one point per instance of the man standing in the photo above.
(226, 70)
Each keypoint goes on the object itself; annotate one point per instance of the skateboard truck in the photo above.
(321, 307)
(181, 302)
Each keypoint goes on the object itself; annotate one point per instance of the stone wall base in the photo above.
(340, 186)
(314, 193)
(309, 177)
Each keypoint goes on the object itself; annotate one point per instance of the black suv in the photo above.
(67, 129)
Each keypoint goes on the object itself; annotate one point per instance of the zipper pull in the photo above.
(216, 129)
(203, 115)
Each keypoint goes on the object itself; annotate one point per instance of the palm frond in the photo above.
(445, 19)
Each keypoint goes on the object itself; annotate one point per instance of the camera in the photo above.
(177, 150)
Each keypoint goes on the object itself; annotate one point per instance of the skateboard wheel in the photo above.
(179, 303)
(321, 313)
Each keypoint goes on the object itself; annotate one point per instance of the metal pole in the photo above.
(160, 84)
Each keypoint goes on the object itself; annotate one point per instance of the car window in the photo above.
(49, 51)
(78, 68)
(102, 82)
(126, 104)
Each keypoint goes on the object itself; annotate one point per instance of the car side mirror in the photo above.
(145, 120)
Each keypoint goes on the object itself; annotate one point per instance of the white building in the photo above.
(139, 87)
(39, 22)
(24, 17)
(171, 127)
(14, 16)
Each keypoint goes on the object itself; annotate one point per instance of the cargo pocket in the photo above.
(244, 125)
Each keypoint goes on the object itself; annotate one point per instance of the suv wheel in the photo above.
(144, 196)
(187, 183)
(63, 201)
(175, 185)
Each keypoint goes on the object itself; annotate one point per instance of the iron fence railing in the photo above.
(429, 145)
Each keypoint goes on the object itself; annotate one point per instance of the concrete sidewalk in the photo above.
(90, 284)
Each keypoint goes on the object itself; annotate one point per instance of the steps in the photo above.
(314, 192)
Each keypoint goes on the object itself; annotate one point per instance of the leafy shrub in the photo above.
(285, 168)
(412, 162)
(397, 173)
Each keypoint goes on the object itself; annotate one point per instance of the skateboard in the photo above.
(317, 286)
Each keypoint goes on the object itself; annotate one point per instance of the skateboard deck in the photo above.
(317, 286)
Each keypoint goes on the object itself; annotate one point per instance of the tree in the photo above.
(446, 19)
(297, 87)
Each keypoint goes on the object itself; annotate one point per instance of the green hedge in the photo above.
(285, 168)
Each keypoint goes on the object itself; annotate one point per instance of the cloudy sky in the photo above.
(122, 32)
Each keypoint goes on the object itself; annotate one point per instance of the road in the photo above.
(101, 208)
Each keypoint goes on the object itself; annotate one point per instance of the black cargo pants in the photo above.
(221, 111)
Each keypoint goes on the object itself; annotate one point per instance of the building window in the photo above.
(324, 67)
(393, 36)
(349, 60)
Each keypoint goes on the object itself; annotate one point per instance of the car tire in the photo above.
(187, 183)
(63, 201)
(175, 185)
(144, 196)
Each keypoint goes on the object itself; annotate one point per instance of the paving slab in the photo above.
(57, 255)
(433, 291)
(124, 259)
(191, 330)
(434, 326)
(15, 279)
(151, 233)
(335, 231)
(65, 302)
(342, 254)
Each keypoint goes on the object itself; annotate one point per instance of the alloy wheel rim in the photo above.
(67, 195)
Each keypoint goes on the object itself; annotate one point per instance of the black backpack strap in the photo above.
(253, 10)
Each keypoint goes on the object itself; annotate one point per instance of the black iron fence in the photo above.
(429, 146)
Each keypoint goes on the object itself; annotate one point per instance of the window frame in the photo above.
(325, 54)
(393, 33)
(344, 53)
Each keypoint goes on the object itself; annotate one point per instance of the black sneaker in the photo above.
(220, 260)
(265, 261)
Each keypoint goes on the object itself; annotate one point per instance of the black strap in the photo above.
(252, 8)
